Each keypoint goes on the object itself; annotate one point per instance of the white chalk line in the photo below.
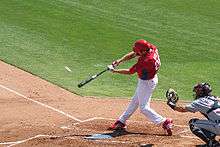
(44, 105)
(10, 144)
(61, 112)
(22, 141)
(102, 118)
(50, 136)
(191, 137)
(134, 121)
(31, 138)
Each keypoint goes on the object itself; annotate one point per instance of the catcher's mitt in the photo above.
(172, 97)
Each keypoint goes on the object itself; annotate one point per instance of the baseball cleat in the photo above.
(167, 126)
(117, 126)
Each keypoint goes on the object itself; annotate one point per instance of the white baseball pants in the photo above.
(142, 99)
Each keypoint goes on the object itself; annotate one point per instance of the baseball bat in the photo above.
(91, 78)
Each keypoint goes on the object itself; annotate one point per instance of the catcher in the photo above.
(206, 104)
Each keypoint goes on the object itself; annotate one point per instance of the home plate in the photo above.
(98, 136)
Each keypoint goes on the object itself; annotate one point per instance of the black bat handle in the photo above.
(91, 78)
(85, 82)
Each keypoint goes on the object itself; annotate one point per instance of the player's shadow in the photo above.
(146, 145)
(121, 132)
(118, 133)
(201, 145)
(114, 134)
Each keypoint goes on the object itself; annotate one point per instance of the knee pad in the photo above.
(196, 130)
(193, 120)
(199, 133)
(192, 124)
(203, 134)
(209, 134)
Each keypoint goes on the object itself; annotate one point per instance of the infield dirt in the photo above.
(35, 112)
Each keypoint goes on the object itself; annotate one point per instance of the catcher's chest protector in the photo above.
(208, 106)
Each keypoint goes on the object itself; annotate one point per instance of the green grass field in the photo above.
(43, 37)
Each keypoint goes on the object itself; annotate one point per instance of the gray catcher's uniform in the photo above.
(209, 106)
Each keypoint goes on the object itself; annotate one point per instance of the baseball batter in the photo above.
(146, 68)
(209, 106)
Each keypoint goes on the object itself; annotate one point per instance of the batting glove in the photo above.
(110, 67)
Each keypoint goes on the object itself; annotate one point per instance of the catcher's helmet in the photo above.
(141, 45)
(202, 89)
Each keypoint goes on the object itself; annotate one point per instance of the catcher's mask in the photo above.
(141, 46)
(202, 90)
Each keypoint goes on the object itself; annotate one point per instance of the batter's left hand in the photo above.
(111, 67)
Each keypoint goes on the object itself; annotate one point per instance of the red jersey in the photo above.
(147, 65)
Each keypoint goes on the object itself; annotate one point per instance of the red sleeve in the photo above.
(133, 69)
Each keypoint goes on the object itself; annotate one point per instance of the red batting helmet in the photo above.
(141, 45)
